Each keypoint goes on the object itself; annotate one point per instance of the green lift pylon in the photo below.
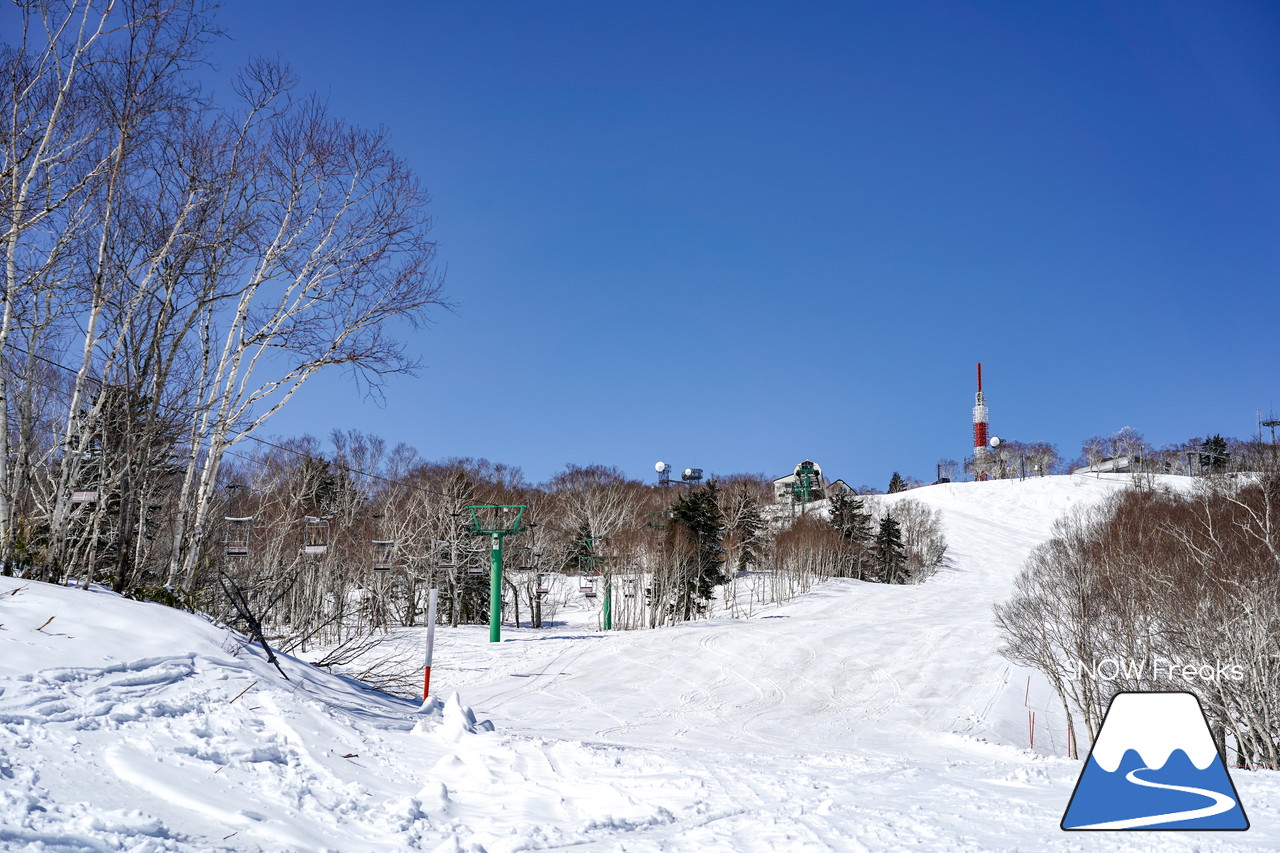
(806, 480)
(606, 610)
(496, 522)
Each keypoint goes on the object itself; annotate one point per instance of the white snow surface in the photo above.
(1154, 724)
(858, 717)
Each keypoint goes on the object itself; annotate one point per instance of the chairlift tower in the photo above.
(807, 480)
(496, 522)
(1272, 422)
(606, 609)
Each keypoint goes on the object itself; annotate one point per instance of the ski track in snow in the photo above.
(859, 717)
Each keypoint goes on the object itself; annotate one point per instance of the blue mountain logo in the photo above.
(1154, 765)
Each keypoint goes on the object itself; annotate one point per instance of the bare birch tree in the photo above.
(91, 88)
(319, 242)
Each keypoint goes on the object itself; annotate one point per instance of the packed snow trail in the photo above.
(857, 666)
(859, 717)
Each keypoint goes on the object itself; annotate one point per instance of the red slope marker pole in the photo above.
(431, 641)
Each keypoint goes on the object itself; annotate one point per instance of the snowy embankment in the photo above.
(859, 717)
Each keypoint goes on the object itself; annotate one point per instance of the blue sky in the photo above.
(739, 235)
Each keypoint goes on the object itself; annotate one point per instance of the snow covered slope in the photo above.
(860, 717)
(858, 664)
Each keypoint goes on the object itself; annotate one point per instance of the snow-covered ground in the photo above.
(858, 717)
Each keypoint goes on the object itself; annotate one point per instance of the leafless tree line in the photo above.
(1011, 459)
(173, 272)
(1194, 457)
(328, 545)
(393, 526)
(813, 550)
(1155, 590)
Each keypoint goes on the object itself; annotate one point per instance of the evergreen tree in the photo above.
(850, 518)
(580, 557)
(896, 483)
(852, 521)
(699, 527)
(1213, 455)
(889, 552)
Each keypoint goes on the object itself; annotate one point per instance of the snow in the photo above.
(857, 717)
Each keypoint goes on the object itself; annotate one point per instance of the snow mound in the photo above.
(131, 726)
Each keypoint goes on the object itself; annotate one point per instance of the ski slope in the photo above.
(858, 717)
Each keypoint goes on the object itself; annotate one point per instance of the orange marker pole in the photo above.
(431, 641)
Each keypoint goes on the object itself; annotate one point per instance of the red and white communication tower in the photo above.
(980, 449)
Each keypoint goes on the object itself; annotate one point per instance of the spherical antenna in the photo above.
(660, 467)
(996, 440)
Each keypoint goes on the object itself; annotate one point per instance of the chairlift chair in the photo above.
(239, 532)
(383, 549)
(478, 568)
(315, 535)
(442, 555)
(526, 552)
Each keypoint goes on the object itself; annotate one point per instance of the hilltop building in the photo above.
(807, 483)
